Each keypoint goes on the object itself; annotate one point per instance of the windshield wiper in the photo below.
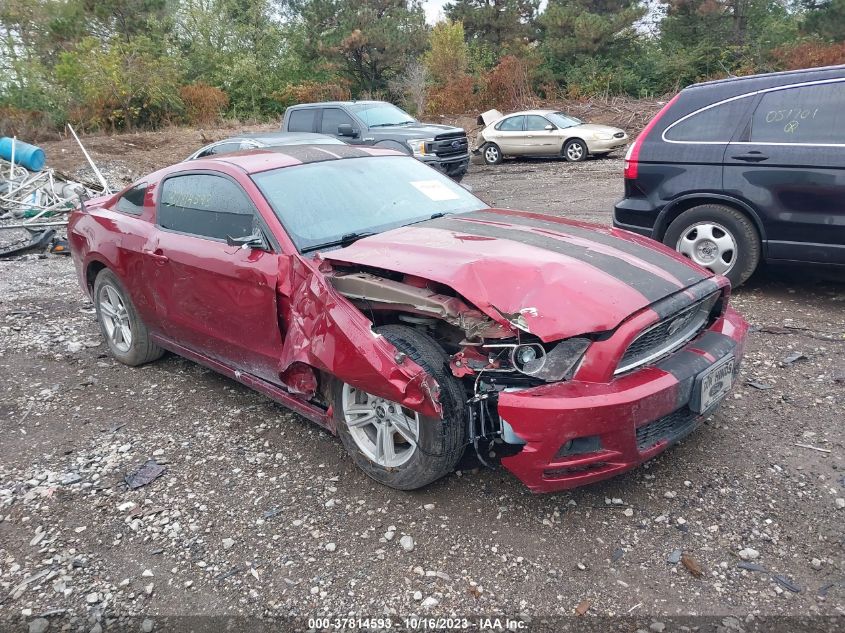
(433, 216)
(345, 240)
(393, 124)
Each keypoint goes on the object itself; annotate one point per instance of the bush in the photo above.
(313, 91)
(204, 104)
(809, 54)
(508, 85)
(455, 97)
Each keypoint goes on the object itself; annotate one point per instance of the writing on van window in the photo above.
(803, 114)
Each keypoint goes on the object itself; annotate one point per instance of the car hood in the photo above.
(418, 130)
(591, 128)
(554, 278)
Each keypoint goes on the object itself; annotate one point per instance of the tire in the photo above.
(440, 443)
(575, 150)
(703, 234)
(492, 154)
(111, 297)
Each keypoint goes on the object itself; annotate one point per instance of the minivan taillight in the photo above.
(632, 156)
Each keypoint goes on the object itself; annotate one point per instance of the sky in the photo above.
(433, 10)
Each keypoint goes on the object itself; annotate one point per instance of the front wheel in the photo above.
(575, 150)
(492, 154)
(718, 238)
(392, 444)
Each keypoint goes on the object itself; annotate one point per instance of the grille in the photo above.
(450, 145)
(667, 335)
(619, 135)
(671, 428)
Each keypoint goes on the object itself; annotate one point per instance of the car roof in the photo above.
(336, 103)
(258, 160)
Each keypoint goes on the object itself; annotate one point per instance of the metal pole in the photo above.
(106, 188)
(12, 164)
(40, 225)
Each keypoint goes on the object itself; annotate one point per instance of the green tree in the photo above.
(367, 42)
(507, 26)
(826, 19)
(448, 55)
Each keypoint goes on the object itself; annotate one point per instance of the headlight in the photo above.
(560, 363)
(417, 146)
(602, 136)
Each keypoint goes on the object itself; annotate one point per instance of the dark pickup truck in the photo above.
(382, 124)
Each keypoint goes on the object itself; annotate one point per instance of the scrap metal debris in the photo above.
(762, 386)
(38, 196)
(793, 358)
(144, 475)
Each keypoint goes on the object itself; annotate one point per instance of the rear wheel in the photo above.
(575, 150)
(125, 333)
(718, 238)
(492, 154)
(392, 444)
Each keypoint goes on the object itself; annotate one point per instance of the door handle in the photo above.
(157, 256)
(751, 157)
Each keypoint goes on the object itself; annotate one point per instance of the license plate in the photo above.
(713, 384)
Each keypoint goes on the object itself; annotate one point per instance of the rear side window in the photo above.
(301, 120)
(206, 206)
(807, 114)
(511, 124)
(132, 202)
(716, 124)
(332, 118)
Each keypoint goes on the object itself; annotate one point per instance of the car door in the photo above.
(538, 140)
(212, 298)
(509, 135)
(789, 164)
(332, 118)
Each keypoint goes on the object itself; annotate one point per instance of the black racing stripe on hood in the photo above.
(679, 270)
(651, 286)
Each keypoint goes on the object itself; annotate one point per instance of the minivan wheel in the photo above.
(492, 154)
(718, 238)
(575, 150)
(392, 444)
(125, 333)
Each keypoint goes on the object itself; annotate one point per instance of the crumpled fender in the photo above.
(324, 330)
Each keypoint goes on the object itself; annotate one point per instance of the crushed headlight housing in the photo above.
(419, 146)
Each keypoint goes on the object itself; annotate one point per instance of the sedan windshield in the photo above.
(324, 204)
(563, 120)
(381, 114)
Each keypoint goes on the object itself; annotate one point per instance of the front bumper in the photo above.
(621, 423)
(454, 166)
(601, 147)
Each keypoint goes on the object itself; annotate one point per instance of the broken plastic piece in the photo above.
(144, 475)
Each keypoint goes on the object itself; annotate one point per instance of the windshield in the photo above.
(563, 120)
(381, 114)
(321, 203)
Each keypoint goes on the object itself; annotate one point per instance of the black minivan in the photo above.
(734, 171)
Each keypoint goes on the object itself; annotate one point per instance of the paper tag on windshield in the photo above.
(435, 190)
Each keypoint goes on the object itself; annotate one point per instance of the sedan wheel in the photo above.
(383, 430)
(709, 245)
(492, 154)
(575, 151)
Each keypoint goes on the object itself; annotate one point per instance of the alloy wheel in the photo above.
(115, 318)
(491, 154)
(575, 152)
(385, 431)
(710, 245)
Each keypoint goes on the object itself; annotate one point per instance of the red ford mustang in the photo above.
(383, 301)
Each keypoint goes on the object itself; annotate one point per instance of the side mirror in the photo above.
(256, 241)
(550, 127)
(346, 129)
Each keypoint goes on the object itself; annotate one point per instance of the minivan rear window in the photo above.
(805, 114)
(713, 125)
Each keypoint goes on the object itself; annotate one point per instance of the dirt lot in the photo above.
(260, 513)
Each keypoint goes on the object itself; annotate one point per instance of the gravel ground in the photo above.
(260, 513)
